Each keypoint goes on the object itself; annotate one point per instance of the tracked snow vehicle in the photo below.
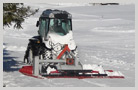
(53, 53)
(55, 31)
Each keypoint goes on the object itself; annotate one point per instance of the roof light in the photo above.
(51, 15)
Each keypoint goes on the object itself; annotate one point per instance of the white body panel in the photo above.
(54, 38)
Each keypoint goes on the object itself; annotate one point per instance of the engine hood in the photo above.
(55, 38)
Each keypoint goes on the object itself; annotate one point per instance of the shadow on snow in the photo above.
(9, 62)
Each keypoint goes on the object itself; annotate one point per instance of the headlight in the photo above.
(57, 47)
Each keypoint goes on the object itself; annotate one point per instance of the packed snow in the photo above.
(105, 35)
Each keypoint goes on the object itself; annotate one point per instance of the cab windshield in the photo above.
(60, 26)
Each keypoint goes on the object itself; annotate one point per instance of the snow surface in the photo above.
(105, 35)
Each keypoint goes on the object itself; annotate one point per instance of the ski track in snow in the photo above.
(102, 37)
(94, 83)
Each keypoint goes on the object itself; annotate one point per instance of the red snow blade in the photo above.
(84, 77)
(28, 70)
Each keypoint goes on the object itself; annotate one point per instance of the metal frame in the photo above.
(37, 61)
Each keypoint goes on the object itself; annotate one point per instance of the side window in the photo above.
(69, 25)
(42, 28)
(46, 28)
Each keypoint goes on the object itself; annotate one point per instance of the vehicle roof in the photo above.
(49, 13)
